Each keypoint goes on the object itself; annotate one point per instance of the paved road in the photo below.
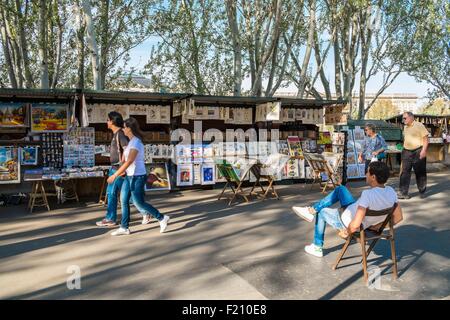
(211, 251)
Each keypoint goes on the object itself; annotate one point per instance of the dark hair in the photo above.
(380, 170)
(116, 119)
(134, 126)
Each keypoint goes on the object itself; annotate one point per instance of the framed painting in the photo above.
(185, 175)
(208, 174)
(13, 115)
(49, 118)
(157, 177)
(9, 165)
(29, 155)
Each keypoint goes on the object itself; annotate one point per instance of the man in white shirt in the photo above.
(378, 197)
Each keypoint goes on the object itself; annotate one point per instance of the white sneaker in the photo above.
(121, 231)
(314, 250)
(163, 223)
(146, 219)
(304, 213)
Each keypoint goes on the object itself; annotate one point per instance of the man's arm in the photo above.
(423, 153)
(356, 222)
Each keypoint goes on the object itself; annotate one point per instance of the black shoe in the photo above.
(403, 196)
(422, 195)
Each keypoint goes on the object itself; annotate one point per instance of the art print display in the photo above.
(324, 138)
(358, 134)
(157, 177)
(351, 158)
(138, 109)
(353, 172)
(164, 116)
(153, 114)
(295, 147)
(292, 168)
(29, 155)
(13, 115)
(49, 118)
(338, 138)
(9, 165)
(185, 175)
(176, 109)
(79, 147)
(183, 154)
(197, 174)
(362, 168)
(208, 174)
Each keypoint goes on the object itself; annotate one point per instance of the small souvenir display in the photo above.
(79, 147)
(338, 138)
(157, 177)
(49, 118)
(13, 115)
(9, 165)
(352, 172)
(52, 150)
(29, 155)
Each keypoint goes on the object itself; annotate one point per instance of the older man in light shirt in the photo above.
(414, 156)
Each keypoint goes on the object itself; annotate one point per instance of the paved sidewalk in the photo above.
(211, 251)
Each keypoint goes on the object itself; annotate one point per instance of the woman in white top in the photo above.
(134, 183)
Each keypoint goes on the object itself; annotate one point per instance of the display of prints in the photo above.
(138, 109)
(283, 147)
(153, 114)
(123, 109)
(301, 168)
(157, 177)
(208, 174)
(338, 138)
(176, 109)
(29, 155)
(197, 174)
(79, 147)
(164, 116)
(248, 116)
(358, 134)
(362, 168)
(292, 169)
(273, 111)
(213, 113)
(49, 117)
(290, 115)
(352, 172)
(183, 153)
(351, 158)
(197, 153)
(13, 115)
(208, 153)
(185, 175)
(295, 148)
(324, 138)
(338, 149)
(230, 116)
(274, 164)
(9, 165)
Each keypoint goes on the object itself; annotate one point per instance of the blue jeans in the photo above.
(325, 214)
(112, 194)
(133, 187)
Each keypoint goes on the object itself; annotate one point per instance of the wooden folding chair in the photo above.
(372, 236)
(319, 165)
(234, 184)
(256, 171)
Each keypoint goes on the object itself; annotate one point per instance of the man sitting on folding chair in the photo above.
(378, 197)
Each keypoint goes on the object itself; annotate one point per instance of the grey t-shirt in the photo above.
(114, 153)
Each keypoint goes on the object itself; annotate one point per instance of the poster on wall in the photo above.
(29, 155)
(185, 175)
(13, 115)
(9, 165)
(157, 177)
(208, 174)
(49, 118)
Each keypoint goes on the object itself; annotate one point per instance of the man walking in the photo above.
(118, 144)
(414, 155)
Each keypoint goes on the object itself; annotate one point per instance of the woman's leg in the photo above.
(125, 195)
(137, 186)
(339, 194)
(326, 216)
